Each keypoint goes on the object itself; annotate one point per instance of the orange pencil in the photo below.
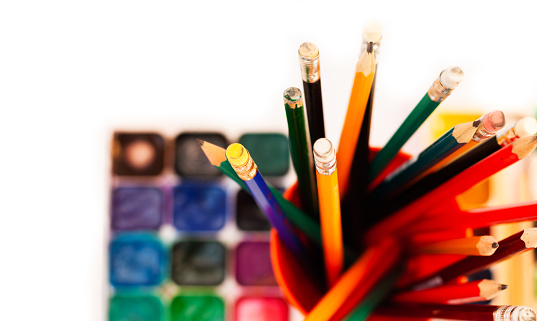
(363, 81)
(481, 290)
(506, 156)
(324, 155)
(356, 282)
(475, 245)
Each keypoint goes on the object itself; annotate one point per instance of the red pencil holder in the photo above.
(294, 282)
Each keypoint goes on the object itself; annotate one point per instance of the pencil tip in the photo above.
(503, 287)
(200, 141)
(370, 47)
(495, 245)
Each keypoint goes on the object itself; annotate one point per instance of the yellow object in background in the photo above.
(478, 195)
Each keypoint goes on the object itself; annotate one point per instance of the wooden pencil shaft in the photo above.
(507, 247)
(314, 109)
(267, 203)
(409, 126)
(475, 291)
(448, 143)
(331, 225)
(472, 312)
(410, 205)
(301, 154)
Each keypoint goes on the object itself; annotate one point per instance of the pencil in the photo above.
(473, 312)
(300, 147)
(506, 156)
(518, 243)
(490, 124)
(477, 245)
(363, 80)
(441, 88)
(357, 281)
(308, 54)
(476, 291)
(246, 169)
(217, 157)
(479, 217)
(327, 184)
(355, 197)
(447, 144)
(522, 128)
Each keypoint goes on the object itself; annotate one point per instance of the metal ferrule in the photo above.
(514, 313)
(438, 92)
(506, 136)
(311, 69)
(247, 171)
(325, 167)
(481, 133)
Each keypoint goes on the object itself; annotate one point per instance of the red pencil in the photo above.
(472, 312)
(479, 217)
(520, 242)
(475, 291)
(494, 163)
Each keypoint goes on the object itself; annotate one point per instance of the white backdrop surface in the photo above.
(73, 71)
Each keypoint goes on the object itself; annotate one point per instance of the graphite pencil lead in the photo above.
(503, 287)
(495, 245)
(370, 47)
(200, 141)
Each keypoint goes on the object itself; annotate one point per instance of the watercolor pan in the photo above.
(270, 152)
(185, 243)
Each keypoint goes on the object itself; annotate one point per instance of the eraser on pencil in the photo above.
(372, 32)
(525, 127)
(494, 121)
(236, 154)
(308, 50)
(451, 77)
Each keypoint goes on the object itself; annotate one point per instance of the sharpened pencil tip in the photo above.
(370, 47)
(201, 142)
(495, 245)
(503, 287)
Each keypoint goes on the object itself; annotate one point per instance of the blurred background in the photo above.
(72, 72)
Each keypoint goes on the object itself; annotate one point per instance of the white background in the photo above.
(73, 71)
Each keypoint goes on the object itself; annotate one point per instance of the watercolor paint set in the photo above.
(185, 243)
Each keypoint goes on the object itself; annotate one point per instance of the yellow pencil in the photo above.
(363, 80)
(324, 155)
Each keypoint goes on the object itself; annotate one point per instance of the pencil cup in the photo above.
(297, 287)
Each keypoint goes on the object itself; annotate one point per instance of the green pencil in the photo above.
(300, 147)
(440, 90)
(444, 146)
(379, 293)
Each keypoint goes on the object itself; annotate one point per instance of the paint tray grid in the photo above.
(185, 243)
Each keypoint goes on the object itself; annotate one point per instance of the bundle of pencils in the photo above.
(365, 216)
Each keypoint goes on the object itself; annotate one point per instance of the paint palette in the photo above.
(185, 242)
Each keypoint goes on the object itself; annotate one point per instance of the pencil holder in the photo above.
(301, 292)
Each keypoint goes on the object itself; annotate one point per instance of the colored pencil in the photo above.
(217, 157)
(479, 217)
(246, 169)
(361, 88)
(444, 146)
(327, 184)
(476, 291)
(506, 156)
(353, 200)
(308, 54)
(473, 312)
(477, 245)
(357, 281)
(490, 124)
(518, 243)
(522, 128)
(301, 153)
(375, 297)
(441, 88)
